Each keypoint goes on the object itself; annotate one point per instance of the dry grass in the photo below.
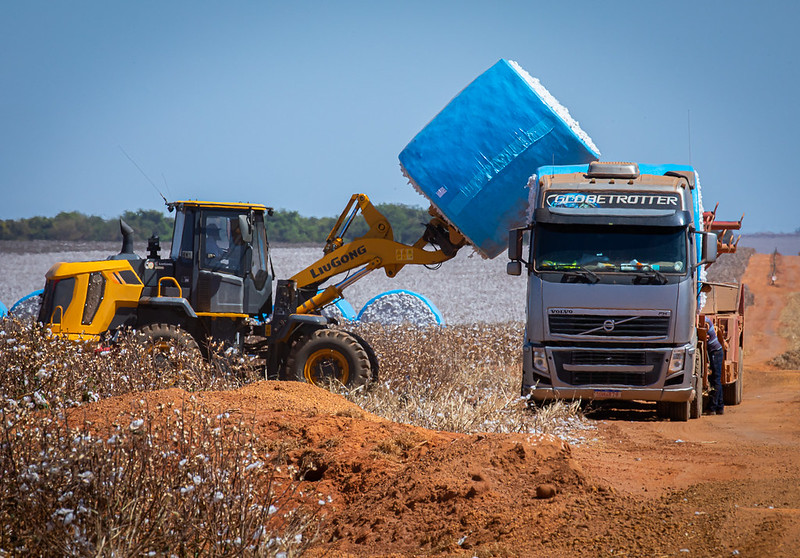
(459, 379)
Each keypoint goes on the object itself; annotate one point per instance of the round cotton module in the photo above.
(401, 307)
(473, 160)
(341, 310)
(28, 306)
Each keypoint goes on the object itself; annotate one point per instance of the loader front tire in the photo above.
(328, 355)
(169, 347)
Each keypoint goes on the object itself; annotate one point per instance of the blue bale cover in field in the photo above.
(473, 160)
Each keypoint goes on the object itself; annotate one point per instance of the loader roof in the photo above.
(217, 205)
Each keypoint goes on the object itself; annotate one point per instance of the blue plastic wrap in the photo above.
(346, 309)
(3, 310)
(473, 160)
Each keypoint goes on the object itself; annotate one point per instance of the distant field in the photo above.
(787, 244)
(466, 289)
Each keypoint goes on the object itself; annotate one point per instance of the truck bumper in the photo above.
(611, 392)
(593, 373)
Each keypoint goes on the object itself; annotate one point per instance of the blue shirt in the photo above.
(712, 342)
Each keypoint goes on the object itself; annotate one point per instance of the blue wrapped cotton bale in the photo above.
(473, 160)
(401, 306)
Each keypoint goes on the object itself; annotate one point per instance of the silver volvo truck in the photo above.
(614, 262)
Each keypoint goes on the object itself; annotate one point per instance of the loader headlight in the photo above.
(539, 360)
(677, 360)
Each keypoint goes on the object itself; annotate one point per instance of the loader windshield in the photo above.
(610, 249)
(222, 247)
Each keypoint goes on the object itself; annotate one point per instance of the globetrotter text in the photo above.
(612, 200)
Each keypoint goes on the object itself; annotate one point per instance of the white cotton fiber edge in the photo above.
(554, 105)
(703, 275)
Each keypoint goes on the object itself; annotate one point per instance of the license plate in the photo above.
(607, 394)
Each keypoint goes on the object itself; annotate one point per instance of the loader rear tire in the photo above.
(328, 355)
(169, 347)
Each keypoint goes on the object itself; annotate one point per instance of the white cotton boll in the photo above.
(41, 401)
(137, 424)
(272, 509)
(252, 466)
(218, 496)
(86, 476)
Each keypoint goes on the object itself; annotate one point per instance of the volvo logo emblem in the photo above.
(608, 325)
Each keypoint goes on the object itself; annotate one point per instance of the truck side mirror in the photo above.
(514, 268)
(515, 244)
(709, 248)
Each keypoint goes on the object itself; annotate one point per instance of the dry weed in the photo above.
(459, 379)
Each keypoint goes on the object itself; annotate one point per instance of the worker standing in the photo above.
(716, 357)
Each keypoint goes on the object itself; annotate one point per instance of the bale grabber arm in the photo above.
(373, 250)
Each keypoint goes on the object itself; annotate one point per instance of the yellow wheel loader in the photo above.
(216, 285)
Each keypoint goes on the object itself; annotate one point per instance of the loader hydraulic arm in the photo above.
(374, 249)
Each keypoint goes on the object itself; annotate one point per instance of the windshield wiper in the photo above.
(582, 274)
(648, 272)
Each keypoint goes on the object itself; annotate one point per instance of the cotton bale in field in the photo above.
(28, 306)
(473, 160)
(401, 307)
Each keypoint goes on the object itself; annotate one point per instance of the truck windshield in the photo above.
(659, 250)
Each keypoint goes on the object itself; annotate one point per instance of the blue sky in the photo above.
(300, 104)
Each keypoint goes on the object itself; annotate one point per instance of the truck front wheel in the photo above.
(329, 355)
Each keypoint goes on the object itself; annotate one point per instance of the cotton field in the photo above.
(466, 289)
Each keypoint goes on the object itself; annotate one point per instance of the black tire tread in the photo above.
(343, 341)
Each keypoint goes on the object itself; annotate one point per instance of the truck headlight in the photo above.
(677, 360)
(539, 360)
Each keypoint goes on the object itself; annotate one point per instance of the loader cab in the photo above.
(220, 255)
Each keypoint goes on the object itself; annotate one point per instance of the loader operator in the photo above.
(716, 356)
(219, 258)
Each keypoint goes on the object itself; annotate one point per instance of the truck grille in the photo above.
(602, 325)
(604, 368)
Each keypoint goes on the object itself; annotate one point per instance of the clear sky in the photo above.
(300, 104)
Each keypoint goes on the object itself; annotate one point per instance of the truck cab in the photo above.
(613, 273)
